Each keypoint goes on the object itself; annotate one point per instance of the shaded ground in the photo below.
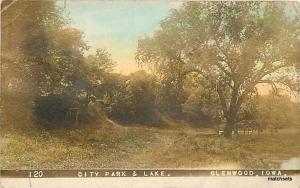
(113, 146)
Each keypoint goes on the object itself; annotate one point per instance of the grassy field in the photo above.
(109, 145)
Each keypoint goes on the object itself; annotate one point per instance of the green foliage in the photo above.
(45, 61)
(271, 111)
(171, 95)
(232, 45)
(141, 89)
(52, 109)
(130, 99)
(203, 106)
(116, 99)
(277, 112)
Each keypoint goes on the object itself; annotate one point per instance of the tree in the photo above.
(117, 100)
(170, 94)
(43, 57)
(276, 111)
(233, 45)
(28, 53)
(202, 106)
(130, 99)
(39, 48)
(141, 89)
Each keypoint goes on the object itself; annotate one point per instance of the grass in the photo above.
(110, 145)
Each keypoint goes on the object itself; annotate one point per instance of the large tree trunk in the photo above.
(230, 111)
(231, 118)
(230, 127)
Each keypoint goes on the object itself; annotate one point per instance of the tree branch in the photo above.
(222, 51)
(257, 79)
(223, 69)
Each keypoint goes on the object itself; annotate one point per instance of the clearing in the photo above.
(109, 145)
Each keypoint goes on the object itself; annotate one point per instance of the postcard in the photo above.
(151, 93)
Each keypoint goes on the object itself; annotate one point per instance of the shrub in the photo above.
(52, 109)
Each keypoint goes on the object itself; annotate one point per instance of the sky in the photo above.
(117, 25)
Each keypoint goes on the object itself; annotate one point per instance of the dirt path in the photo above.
(158, 148)
(154, 150)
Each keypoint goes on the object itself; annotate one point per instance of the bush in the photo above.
(202, 106)
(277, 112)
(130, 99)
(271, 112)
(52, 109)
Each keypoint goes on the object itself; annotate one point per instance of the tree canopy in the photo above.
(43, 58)
(232, 45)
